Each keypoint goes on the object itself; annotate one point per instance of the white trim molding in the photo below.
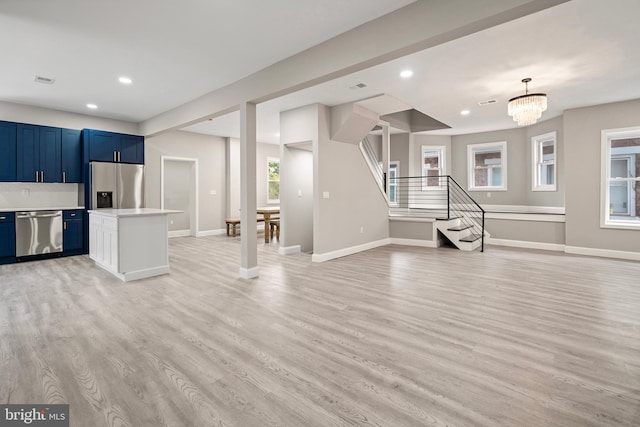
(207, 233)
(249, 273)
(517, 216)
(536, 152)
(526, 244)
(327, 256)
(179, 233)
(471, 165)
(193, 231)
(289, 250)
(606, 253)
(415, 242)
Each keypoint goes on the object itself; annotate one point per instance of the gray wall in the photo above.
(355, 201)
(413, 230)
(46, 117)
(527, 231)
(210, 153)
(582, 136)
(297, 193)
(178, 193)
(415, 151)
(399, 151)
(519, 168)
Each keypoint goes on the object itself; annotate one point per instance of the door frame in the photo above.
(194, 201)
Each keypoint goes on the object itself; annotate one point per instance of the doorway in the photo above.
(179, 191)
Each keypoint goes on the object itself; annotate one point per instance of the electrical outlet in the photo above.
(488, 194)
(325, 194)
(212, 192)
(299, 193)
(361, 230)
(171, 221)
(26, 192)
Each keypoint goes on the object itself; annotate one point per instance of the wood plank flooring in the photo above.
(394, 336)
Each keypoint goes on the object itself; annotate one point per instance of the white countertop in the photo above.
(132, 212)
(48, 208)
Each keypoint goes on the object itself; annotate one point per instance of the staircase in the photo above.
(462, 236)
(458, 217)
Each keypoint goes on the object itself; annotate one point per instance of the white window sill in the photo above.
(544, 189)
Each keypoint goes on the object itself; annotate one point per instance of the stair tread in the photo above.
(471, 237)
(444, 218)
(459, 227)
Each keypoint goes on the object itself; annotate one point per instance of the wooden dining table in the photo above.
(267, 212)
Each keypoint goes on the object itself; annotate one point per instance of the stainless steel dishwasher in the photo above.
(38, 232)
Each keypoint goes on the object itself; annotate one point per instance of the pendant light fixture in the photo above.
(527, 109)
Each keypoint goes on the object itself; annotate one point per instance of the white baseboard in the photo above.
(289, 250)
(179, 233)
(249, 273)
(526, 245)
(413, 242)
(606, 253)
(211, 233)
(348, 251)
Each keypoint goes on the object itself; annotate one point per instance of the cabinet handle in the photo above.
(2, 218)
(119, 156)
(64, 177)
(42, 176)
(65, 225)
(114, 157)
(37, 176)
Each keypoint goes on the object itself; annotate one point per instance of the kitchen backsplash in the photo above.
(42, 195)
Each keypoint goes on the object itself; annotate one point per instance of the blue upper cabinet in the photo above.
(104, 146)
(71, 156)
(38, 153)
(132, 149)
(8, 150)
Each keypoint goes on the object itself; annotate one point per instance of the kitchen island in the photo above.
(131, 244)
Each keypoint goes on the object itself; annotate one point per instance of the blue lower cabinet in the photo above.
(72, 232)
(7, 237)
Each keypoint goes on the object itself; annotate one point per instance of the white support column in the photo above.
(249, 248)
(386, 143)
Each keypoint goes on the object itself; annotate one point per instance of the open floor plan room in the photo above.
(394, 336)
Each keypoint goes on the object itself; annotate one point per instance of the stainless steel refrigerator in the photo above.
(116, 185)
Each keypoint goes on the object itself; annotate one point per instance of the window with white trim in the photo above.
(433, 166)
(543, 155)
(620, 191)
(394, 168)
(487, 166)
(273, 180)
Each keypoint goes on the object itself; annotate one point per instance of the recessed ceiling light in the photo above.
(92, 106)
(465, 112)
(406, 74)
(125, 80)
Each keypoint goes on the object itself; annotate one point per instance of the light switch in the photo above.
(212, 192)
(325, 194)
(299, 193)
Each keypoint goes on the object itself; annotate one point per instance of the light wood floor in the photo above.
(394, 336)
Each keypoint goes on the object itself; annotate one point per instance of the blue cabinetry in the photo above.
(8, 150)
(71, 156)
(7, 237)
(38, 153)
(72, 232)
(104, 146)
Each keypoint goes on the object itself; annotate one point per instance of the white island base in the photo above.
(131, 244)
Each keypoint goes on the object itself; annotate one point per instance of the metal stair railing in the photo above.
(439, 197)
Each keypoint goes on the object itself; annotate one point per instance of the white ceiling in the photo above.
(584, 52)
(174, 50)
(580, 53)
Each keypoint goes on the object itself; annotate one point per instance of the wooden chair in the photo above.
(274, 224)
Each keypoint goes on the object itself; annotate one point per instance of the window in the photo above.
(273, 180)
(620, 192)
(487, 166)
(394, 168)
(433, 165)
(544, 162)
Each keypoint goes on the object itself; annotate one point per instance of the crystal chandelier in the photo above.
(526, 109)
